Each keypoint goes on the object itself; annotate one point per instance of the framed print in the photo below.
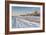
(24, 17)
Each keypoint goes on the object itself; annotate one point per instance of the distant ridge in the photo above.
(35, 13)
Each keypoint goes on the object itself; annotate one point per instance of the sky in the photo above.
(16, 10)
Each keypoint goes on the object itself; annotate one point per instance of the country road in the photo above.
(25, 21)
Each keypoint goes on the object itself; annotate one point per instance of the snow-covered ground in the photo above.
(25, 21)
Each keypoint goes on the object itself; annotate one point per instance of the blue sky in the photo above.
(20, 10)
